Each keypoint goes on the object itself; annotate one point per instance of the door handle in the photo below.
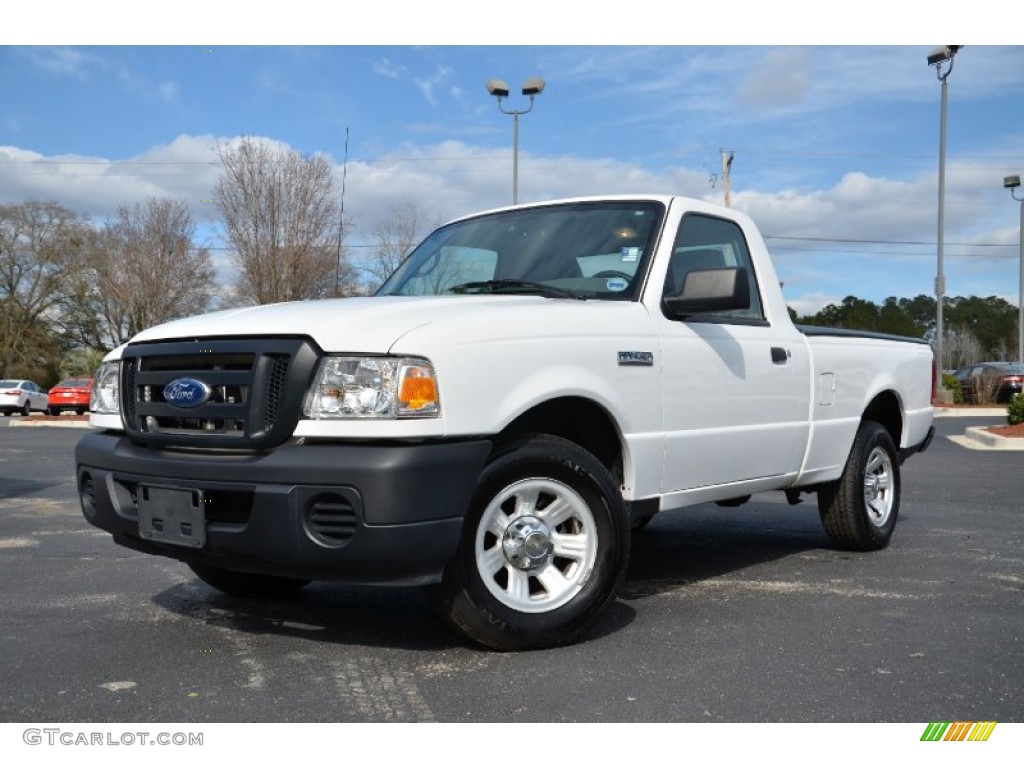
(780, 356)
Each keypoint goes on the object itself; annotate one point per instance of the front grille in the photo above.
(238, 393)
(275, 388)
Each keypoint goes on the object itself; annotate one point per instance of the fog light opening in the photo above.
(87, 494)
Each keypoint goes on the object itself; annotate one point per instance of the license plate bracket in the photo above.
(172, 515)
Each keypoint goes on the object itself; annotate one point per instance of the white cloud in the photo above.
(428, 84)
(387, 68)
(167, 91)
(812, 303)
(60, 60)
(95, 186)
(452, 178)
(781, 79)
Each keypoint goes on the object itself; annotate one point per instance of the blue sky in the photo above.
(835, 146)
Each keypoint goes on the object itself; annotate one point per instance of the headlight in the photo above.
(373, 387)
(104, 397)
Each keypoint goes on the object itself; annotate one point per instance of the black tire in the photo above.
(26, 409)
(238, 584)
(53, 411)
(80, 411)
(859, 510)
(567, 573)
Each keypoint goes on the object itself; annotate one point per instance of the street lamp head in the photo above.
(943, 53)
(1011, 182)
(533, 86)
(497, 88)
(939, 55)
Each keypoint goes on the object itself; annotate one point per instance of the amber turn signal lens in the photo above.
(418, 390)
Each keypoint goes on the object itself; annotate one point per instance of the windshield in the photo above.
(577, 250)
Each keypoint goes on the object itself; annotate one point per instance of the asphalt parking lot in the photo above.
(728, 615)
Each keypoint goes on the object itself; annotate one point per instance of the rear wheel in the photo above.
(859, 510)
(544, 548)
(238, 584)
(26, 409)
(54, 411)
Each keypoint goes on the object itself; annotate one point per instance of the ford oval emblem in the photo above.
(186, 393)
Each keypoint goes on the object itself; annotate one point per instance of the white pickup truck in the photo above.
(531, 385)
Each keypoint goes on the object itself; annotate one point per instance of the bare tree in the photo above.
(396, 235)
(41, 252)
(961, 347)
(144, 271)
(282, 218)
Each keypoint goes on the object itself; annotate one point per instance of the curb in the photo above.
(980, 439)
(945, 413)
(57, 424)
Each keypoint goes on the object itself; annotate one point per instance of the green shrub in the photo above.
(1015, 411)
(951, 385)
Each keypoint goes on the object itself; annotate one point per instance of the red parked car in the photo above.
(70, 395)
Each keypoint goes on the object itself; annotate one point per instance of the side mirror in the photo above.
(710, 290)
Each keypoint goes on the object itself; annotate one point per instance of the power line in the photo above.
(883, 242)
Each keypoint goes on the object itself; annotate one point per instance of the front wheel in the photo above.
(26, 409)
(544, 548)
(859, 509)
(238, 584)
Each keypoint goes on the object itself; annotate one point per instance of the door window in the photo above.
(706, 242)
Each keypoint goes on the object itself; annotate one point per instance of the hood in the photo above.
(367, 324)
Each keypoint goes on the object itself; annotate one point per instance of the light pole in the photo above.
(499, 89)
(942, 59)
(1011, 183)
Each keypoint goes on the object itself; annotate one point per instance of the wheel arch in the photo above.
(581, 421)
(885, 408)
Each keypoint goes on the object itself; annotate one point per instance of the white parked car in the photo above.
(19, 395)
(530, 386)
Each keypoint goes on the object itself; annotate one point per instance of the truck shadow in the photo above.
(705, 542)
(676, 550)
(392, 617)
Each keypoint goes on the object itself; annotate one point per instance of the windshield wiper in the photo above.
(516, 286)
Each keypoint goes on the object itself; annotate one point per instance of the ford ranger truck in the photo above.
(528, 387)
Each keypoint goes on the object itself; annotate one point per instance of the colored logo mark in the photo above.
(959, 731)
(186, 393)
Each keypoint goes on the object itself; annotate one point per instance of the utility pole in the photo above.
(726, 167)
(341, 220)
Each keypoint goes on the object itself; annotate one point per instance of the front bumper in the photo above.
(361, 513)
